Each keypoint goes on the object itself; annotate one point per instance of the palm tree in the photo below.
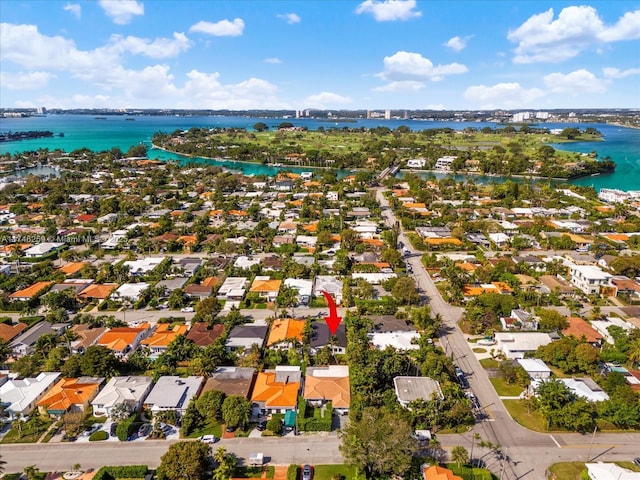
(459, 455)
(633, 354)
(31, 472)
(2, 464)
(17, 424)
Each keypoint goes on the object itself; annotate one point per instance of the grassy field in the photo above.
(567, 470)
(489, 363)
(208, 429)
(325, 472)
(31, 431)
(505, 390)
(518, 410)
(479, 350)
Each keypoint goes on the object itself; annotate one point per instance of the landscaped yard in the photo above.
(518, 410)
(489, 363)
(505, 390)
(31, 431)
(326, 472)
(253, 472)
(567, 470)
(469, 473)
(214, 429)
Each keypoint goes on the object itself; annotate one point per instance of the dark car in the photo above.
(637, 461)
(306, 472)
(112, 429)
(230, 428)
(261, 426)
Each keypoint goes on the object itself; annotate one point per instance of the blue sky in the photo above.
(334, 54)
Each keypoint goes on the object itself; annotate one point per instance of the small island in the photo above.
(509, 151)
(17, 136)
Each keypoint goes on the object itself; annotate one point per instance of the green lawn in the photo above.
(489, 363)
(325, 472)
(567, 470)
(207, 429)
(518, 410)
(31, 431)
(253, 472)
(479, 350)
(629, 466)
(505, 390)
(467, 472)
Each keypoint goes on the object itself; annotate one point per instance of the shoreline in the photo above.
(477, 174)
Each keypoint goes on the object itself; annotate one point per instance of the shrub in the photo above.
(126, 428)
(98, 436)
(292, 472)
(275, 425)
(114, 473)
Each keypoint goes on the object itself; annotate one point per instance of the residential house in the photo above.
(124, 340)
(9, 331)
(321, 337)
(173, 393)
(588, 278)
(199, 291)
(77, 285)
(203, 335)
(31, 291)
(85, 337)
(128, 390)
(416, 163)
(19, 397)
(266, 287)
(410, 389)
(231, 381)
(580, 328)
(553, 283)
(286, 333)
(276, 391)
(233, 288)
(243, 337)
(303, 287)
(330, 284)
(172, 284)
(42, 249)
(535, 368)
(515, 345)
(244, 262)
(328, 384)
(189, 265)
(70, 395)
(129, 291)
(98, 291)
(610, 471)
(24, 343)
(602, 326)
(436, 472)
(398, 340)
(519, 320)
(163, 335)
(143, 266)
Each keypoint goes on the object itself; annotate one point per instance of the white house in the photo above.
(535, 368)
(515, 345)
(115, 239)
(42, 249)
(303, 287)
(409, 389)
(233, 288)
(373, 278)
(602, 327)
(610, 471)
(588, 278)
(142, 266)
(129, 390)
(331, 285)
(173, 393)
(244, 262)
(130, 291)
(444, 163)
(416, 163)
(397, 340)
(20, 397)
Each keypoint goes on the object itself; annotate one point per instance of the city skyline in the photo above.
(319, 55)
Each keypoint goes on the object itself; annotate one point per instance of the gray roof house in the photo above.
(321, 337)
(24, 343)
(242, 337)
(409, 389)
(173, 393)
(129, 390)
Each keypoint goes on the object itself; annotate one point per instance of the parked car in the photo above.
(112, 429)
(637, 461)
(261, 426)
(144, 430)
(306, 472)
(93, 428)
(187, 309)
(166, 428)
(208, 439)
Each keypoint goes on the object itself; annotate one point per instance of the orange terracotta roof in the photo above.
(274, 394)
(442, 241)
(163, 336)
(68, 392)
(605, 208)
(98, 290)
(311, 227)
(215, 213)
(283, 329)
(9, 332)
(31, 291)
(296, 203)
(312, 183)
(435, 472)
(35, 206)
(579, 328)
(264, 286)
(414, 205)
(400, 193)
(469, 267)
(238, 213)
(117, 339)
(337, 390)
(372, 241)
(188, 239)
(14, 247)
(210, 282)
(316, 195)
(578, 238)
(72, 267)
(617, 237)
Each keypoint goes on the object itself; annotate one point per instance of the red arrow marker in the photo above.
(333, 320)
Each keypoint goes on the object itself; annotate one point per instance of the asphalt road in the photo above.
(524, 453)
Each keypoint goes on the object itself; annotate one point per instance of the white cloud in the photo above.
(223, 28)
(274, 60)
(403, 66)
(611, 72)
(543, 39)
(158, 48)
(502, 95)
(389, 10)
(325, 100)
(122, 11)
(74, 8)
(25, 81)
(401, 86)
(291, 18)
(576, 83)
(456, 43)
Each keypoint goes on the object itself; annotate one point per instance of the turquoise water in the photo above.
(621, 144)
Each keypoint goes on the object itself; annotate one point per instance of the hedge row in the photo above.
(316, 422)
(114, 473)
(98, 436)
(292, 472)
(126, 428)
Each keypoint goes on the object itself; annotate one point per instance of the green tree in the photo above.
(209, 405)
(405, 291)
(260, 127)
(459, 455)
(31, 472)
(236, 411)
(191, 419)
(120, 411)
(185, 461)
(226, 464)
(378, 443)
(275, 425)
(552, 320)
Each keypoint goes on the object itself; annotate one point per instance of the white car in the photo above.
(187, 310)
(208, 439)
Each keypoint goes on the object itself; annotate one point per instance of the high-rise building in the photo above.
(387, 114)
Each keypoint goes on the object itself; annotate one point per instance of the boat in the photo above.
(99, 118)
(129, 119)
